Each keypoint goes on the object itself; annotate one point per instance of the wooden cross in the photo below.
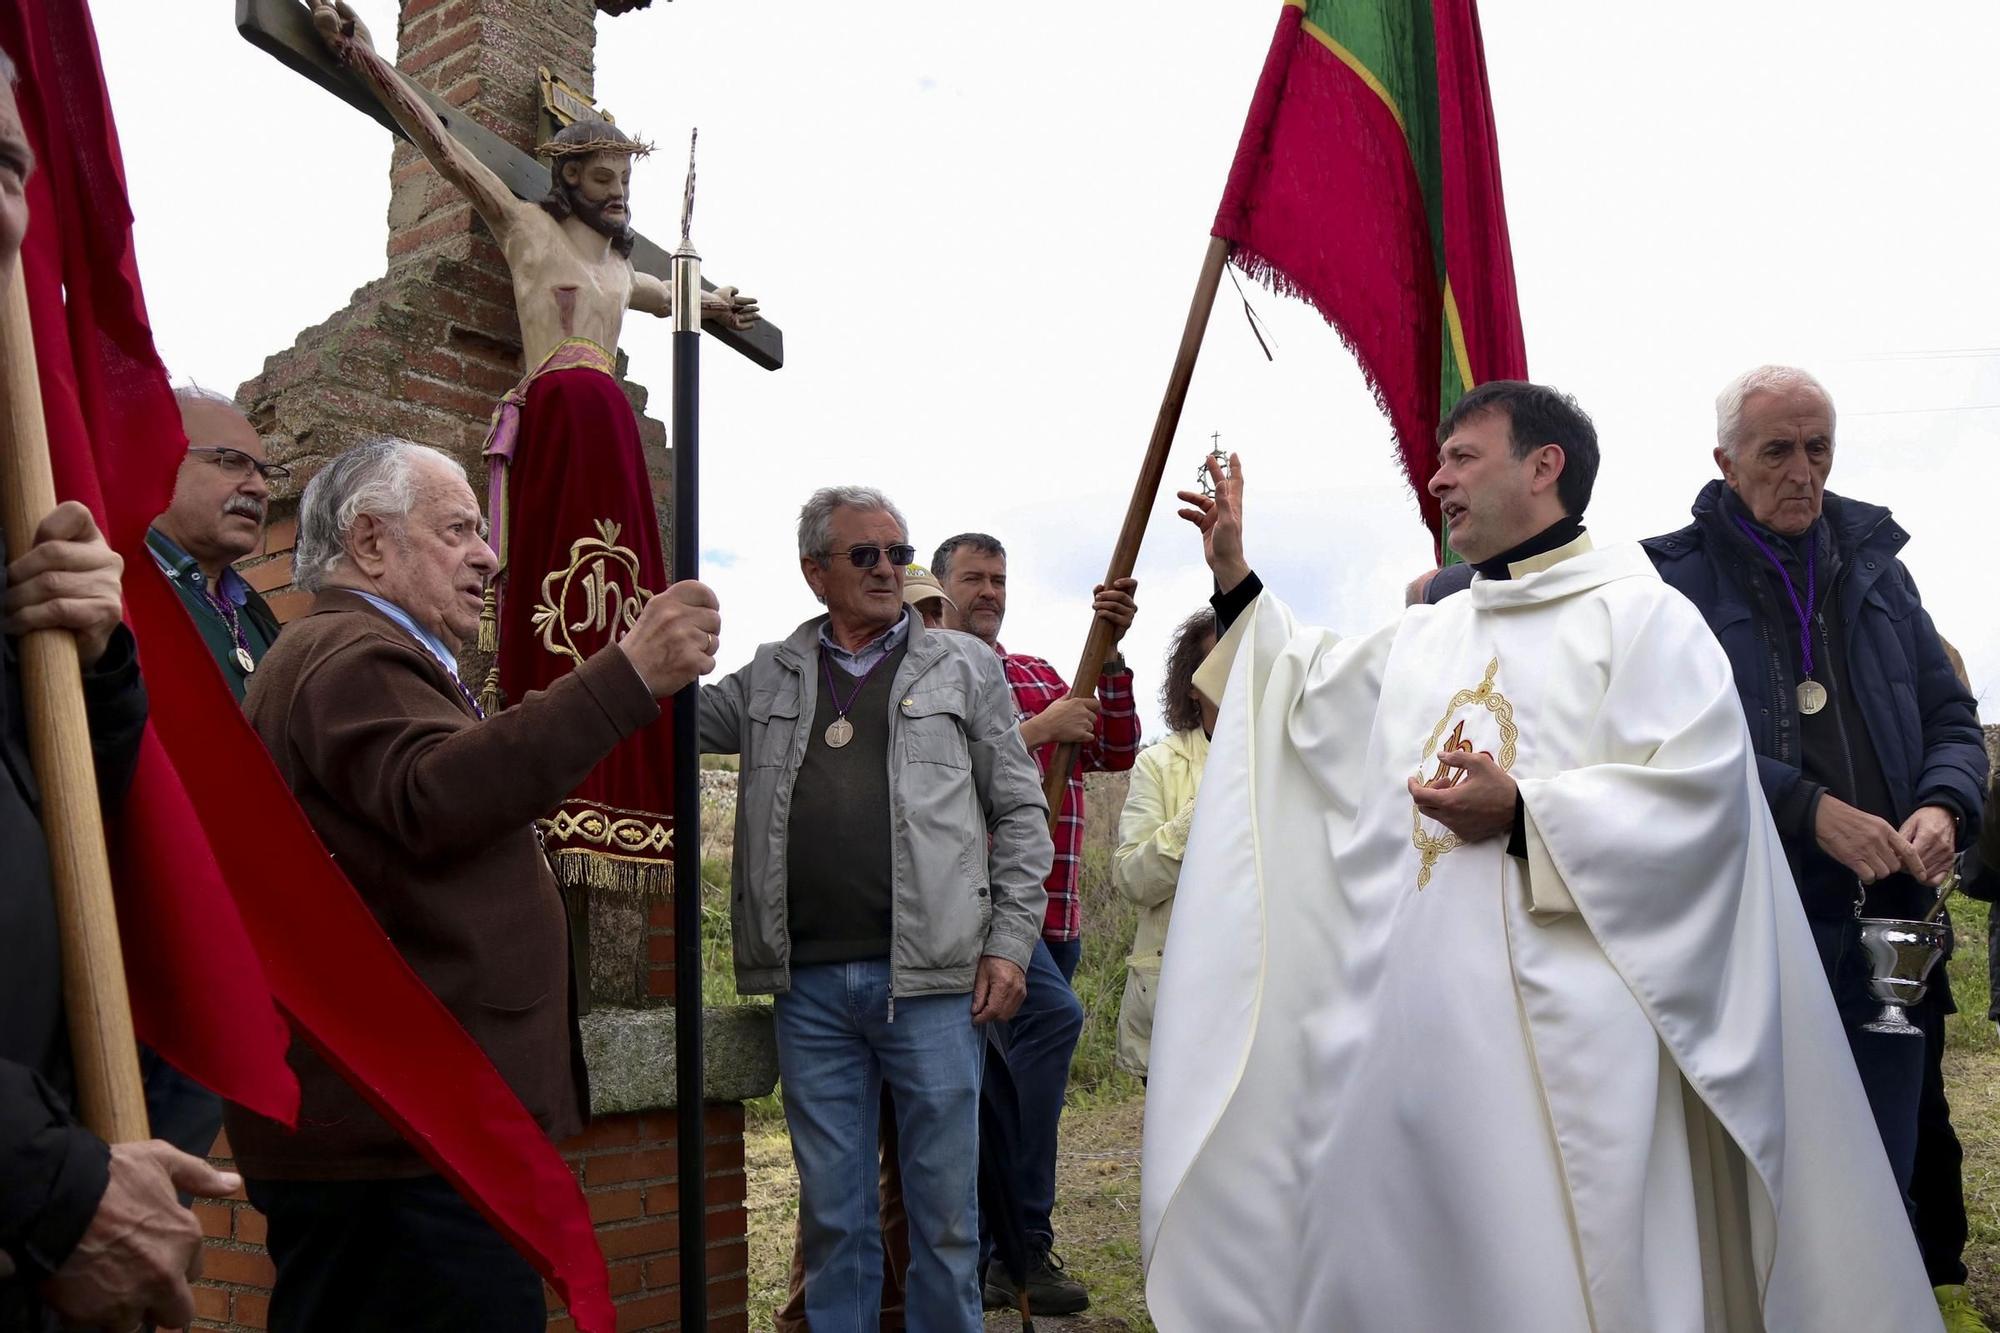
(284, 28)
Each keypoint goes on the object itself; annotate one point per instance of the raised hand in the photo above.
(1115, 605)
(339, 24)
(1219, 518)
(675, 640)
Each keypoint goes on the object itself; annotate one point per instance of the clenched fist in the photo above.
(67, 580)
(1071, 720)
(674, 642)
(133, 1265)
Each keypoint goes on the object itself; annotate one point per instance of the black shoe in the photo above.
(997, 1291)
(1050, 1289)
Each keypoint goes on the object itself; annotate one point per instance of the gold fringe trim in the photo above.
(491, 700)
(489, 617)
(575, 868)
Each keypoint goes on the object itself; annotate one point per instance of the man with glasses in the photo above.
(217, 517)
(891, 841)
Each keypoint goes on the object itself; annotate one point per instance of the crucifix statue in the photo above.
(569, 498)
(570, 253)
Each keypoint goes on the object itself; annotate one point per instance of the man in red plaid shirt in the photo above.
(1043, 1033)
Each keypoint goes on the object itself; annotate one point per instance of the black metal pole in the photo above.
(691, 1140)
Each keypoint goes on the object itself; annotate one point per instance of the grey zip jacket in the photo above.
(970, 825)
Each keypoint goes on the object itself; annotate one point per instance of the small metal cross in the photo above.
(1221, 462)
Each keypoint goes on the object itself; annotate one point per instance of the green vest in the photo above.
(254, 621)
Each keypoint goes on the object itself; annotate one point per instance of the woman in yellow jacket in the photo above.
(1153, 831)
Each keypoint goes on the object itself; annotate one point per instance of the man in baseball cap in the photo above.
(925, 595)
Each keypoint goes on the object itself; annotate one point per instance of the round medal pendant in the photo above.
(1812, 696)
(839, 733)
(244, 660)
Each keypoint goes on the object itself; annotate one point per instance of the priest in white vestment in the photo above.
(1488, 1005)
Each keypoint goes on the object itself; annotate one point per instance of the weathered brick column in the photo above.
(423, 352)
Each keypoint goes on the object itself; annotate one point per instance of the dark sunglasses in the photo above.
(237, 465)
(864, 557)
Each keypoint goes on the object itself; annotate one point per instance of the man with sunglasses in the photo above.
(216, 518)
(891, 842)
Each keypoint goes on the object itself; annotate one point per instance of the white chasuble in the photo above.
(1405, 1085)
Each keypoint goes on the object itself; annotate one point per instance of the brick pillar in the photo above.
(625, 1164)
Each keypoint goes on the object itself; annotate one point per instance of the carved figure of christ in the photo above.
(573, 278)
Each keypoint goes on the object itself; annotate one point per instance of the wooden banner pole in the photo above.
(109, 1092)
(1097, 647)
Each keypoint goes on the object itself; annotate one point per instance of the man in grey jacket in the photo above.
(891, 843)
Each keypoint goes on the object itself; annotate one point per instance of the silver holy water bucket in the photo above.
(1901, 955)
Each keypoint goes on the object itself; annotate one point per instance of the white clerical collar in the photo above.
(1535, 564)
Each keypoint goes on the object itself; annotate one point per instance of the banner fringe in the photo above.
(576, 868)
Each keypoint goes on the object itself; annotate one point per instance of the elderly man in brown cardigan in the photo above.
(430, 809)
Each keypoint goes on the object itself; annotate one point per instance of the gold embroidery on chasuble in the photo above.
(1483, 710)
(595, 600)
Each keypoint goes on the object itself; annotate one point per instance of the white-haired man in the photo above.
(1868, 746)
(430, 809)
(891, 842)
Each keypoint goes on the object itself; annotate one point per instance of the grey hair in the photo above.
(189, 392)
(377, 478)
(948, 548)
(816, 518)
(7, 70)
(1764, 379)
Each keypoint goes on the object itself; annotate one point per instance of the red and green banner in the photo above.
(1367, 181)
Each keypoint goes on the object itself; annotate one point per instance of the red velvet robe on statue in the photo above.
(581, 545)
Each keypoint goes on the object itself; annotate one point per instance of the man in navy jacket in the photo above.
(1868, 745)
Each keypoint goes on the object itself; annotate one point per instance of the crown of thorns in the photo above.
(588, 147)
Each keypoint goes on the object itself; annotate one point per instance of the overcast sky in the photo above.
(979, 228)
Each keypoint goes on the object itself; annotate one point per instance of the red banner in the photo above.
(227, 902)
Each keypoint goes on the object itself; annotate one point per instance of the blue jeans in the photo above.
(1040, 1039)
(837, 1046)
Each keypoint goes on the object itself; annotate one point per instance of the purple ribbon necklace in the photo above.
(224, 608)
(1811, 694)
(840, 731)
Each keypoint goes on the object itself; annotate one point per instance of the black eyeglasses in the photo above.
(236, 465)
(864, 557)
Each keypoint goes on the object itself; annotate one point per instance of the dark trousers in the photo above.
(391, 1256)
(1937, 1186)
(1039, 1040)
